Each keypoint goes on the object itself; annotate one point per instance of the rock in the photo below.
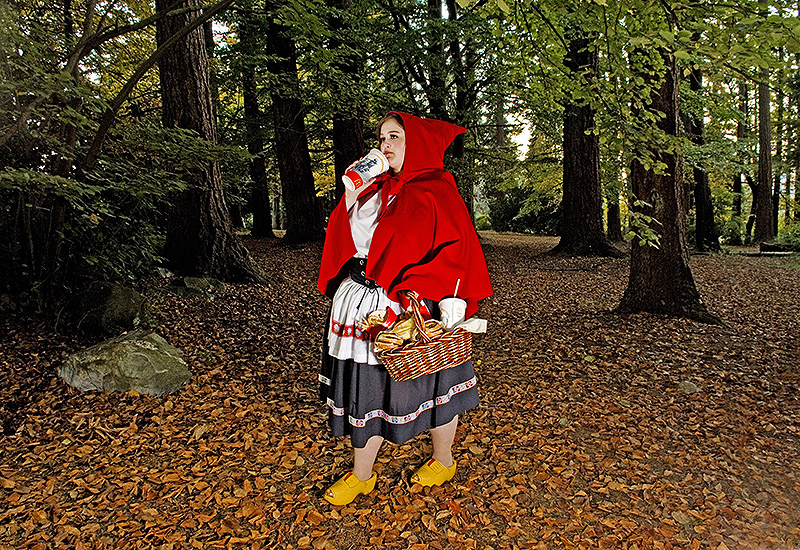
(688, 387)
(199, 286)
(139, 360)
(107, 308)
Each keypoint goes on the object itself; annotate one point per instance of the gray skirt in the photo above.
(364, 401)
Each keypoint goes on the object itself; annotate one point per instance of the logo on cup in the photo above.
(372, 165)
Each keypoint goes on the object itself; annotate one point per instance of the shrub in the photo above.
(733, 231)
(790, 236)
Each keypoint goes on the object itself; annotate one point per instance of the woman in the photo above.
(409, 231)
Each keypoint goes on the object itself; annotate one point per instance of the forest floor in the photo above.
(583, 438)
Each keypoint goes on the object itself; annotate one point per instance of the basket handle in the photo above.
(413, 298)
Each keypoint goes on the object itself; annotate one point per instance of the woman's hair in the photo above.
(389, 116)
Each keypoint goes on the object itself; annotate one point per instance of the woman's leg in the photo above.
(443, 437)
(364, 458)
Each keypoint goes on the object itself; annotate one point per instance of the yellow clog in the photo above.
(348, 488)
(433, 473)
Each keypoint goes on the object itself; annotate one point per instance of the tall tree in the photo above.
(254, 129)
(765, 229)
(614, 218)
(200, 237)
(706, 234)
(348, 119)
(779, 157)
(463, 59)
(661, 280)
(741, 135)
(582, 230)
(304, 222)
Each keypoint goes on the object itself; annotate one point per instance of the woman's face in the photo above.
(393, 144)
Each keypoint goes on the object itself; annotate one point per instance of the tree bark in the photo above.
(614, 219)
(764, 230)
(751, 218)
(200, 238)
(776, 189)
(436, 91)
(661, 280)
(304, 221)
(582, 232)
(741, 135)
(348, 120)
(706, 234)
(348, 144)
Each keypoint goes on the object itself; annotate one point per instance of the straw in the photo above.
(455, 292)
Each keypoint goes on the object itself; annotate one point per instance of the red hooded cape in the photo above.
(424, 240)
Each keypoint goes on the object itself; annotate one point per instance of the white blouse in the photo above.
(353, 301)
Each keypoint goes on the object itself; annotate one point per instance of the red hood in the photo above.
(426, 141)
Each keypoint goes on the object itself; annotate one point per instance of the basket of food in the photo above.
(413, 347)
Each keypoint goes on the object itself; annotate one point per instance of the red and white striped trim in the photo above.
(404, 419)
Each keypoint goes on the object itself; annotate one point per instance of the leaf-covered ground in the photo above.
(583, 438)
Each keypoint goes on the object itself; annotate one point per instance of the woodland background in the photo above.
(653, 144)
(135, 135)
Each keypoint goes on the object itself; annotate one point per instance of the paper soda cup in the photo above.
(372, 165)
(453, 311)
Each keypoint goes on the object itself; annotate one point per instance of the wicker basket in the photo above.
(428, 354)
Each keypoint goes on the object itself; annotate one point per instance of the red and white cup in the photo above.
(372, 165)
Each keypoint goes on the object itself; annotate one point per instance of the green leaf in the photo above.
(503, 6)
(681, 54)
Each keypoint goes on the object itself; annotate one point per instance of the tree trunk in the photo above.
(348, 120)
(764, 230)
(706, 235)
(793, 100)
(200, 238)
(304, 221)
(582, 232)
(660, 279)
(614, 219)
(254, 127)
(741, 135)
(260, 204)
(348, 143)
(776, 189)
(211, 52)
(436, 91)
(751, 218)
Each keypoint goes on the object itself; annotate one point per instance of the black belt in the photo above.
(358, 272)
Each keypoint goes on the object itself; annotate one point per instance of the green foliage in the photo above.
(642, 226)
(790, 235)
(733, 231)
(113, 221)
(528, 199)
